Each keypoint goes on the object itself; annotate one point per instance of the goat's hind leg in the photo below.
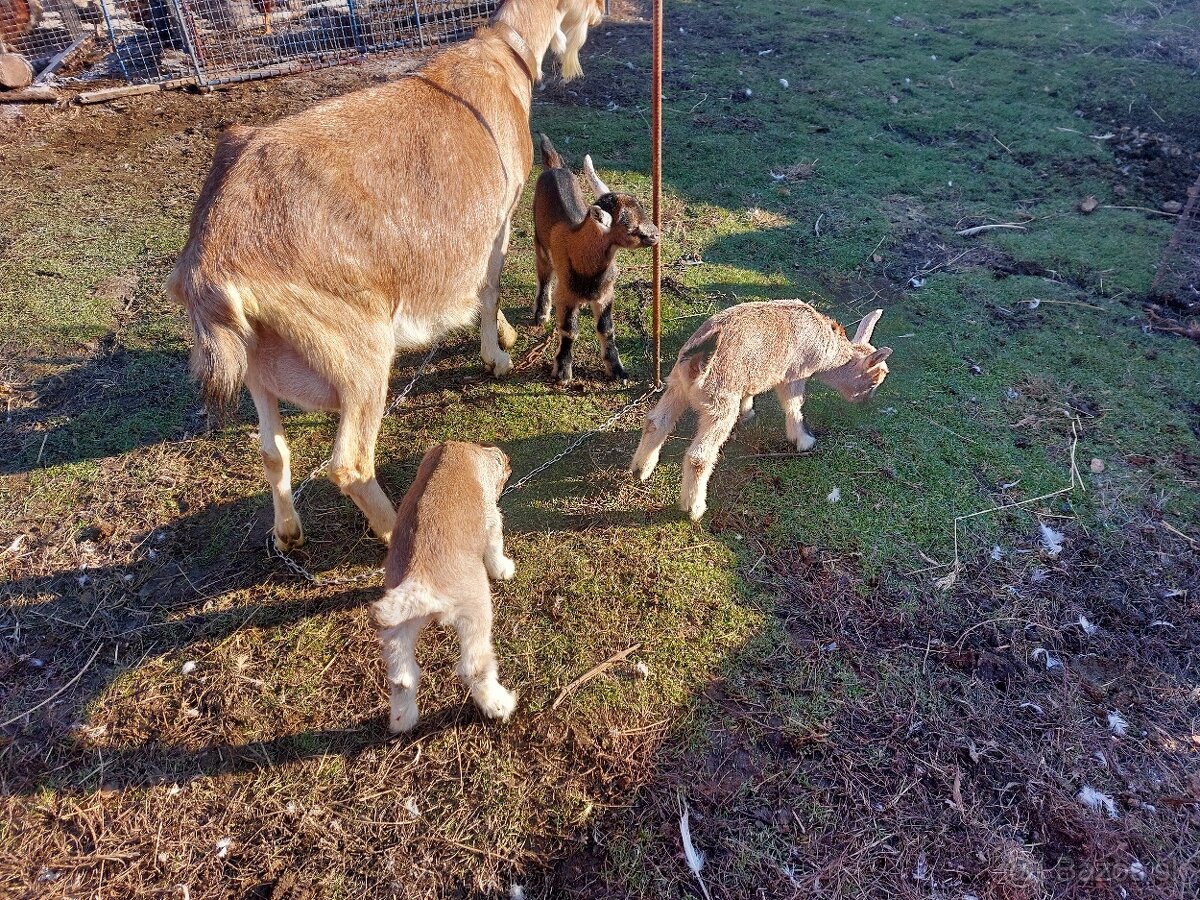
(715, 426)
(352, 467)
(399, 644)
(277, 464)
(477, 667)
(545, 279)
(495, 360)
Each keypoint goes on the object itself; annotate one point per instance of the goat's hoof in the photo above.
(618, 373)
(495, 701)
(288, 538)
(500, 366)
(404, 716)
(505, 569)
(805, 442)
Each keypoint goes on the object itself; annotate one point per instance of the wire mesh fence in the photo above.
(1177, 283)
(221, 41)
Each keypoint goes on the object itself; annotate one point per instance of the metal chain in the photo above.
(577, 443)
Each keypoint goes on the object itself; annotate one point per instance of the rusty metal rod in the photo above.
(656, 182)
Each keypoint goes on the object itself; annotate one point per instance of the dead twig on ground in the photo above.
(87, 665)
(592, 673)
(979, 229)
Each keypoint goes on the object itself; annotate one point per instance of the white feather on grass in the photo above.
(1117, 723)
(695, 859)
(1094, 799)
(1052, 540)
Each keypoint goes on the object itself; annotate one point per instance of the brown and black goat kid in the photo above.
(576, 251)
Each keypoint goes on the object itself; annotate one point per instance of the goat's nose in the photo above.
(651, 235)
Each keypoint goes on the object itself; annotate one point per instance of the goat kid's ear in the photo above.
(879, 356)
(603, 219)
(593, 179)
(867, 326)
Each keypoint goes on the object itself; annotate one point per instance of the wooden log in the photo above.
(38, 93)
(15, 72)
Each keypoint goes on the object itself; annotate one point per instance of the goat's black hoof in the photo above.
(618, 373)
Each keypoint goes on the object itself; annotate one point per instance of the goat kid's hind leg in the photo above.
(495, 360)
(715, 426)
(568, 330)
(399, 644)
(791, 398)
(477, 667)
(352, 467)
(277, 464)
(545, 278)
(608, 340)
(659, 424)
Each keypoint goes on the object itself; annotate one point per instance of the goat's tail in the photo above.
(221, 336)
(550, 157)
(407, 600)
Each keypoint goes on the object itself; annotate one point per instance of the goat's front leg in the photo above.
(715, 425)
(791, 398)
(568, 329)
(495, 360)
(497, 564)
(603, 313)
(747, 412)
(277, 464)
(477, 667)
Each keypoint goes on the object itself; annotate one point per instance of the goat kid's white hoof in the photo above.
(805, 442)
(495, 701)
(505, 569)
(696, 511)
(403, 721)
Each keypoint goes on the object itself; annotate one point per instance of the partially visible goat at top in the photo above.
(742, 352)
(576, 254)
(375, 222)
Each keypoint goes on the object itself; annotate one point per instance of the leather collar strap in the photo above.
(517, 44)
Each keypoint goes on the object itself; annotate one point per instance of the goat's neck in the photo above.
(591, 253)
(535, 20)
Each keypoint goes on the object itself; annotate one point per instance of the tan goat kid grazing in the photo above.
(371, 223)
(742, 352)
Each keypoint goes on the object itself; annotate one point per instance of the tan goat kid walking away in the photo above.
(372, 223)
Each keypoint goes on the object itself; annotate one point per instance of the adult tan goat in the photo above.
(371, 223)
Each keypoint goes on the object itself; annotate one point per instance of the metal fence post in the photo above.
(112, 36)
(359, 42)
(190, 47)
(420, 30)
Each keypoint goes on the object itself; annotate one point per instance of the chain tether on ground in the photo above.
(299, 570)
